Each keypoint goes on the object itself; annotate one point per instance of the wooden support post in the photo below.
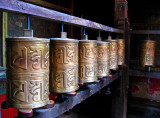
(119, 99)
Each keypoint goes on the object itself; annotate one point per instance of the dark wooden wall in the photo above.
(144, 15)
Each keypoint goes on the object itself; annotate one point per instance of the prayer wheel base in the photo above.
(100, 77)
(66, 90)
(80, 84)
(97, 81)
(147, 69)
(50, 104)
(71, 94)
(110, 76)
(60, 98)
(106, 77)
(84, 87)
(88, 80)
(113, 71)
(120, 67)
(25, 113)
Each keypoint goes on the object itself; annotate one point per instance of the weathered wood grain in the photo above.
(27, 8)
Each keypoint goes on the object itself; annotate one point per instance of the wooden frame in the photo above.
(30, 9)
(51, 5)
(145, 31)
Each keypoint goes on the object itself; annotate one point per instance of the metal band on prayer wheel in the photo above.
(103, 58)
(113, 54)
(87, 61)
(63, 65)
(148, 53)
(27, 72)
(121, 52)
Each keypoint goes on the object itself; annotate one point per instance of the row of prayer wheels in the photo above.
(36, 66)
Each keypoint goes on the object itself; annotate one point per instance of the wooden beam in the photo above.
(141, 73)
(145, 32)
(27, 8)
(49, 5)
(70, 102)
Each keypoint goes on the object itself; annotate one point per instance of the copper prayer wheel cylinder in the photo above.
(27, 72)
(113, 54)
(103, 58)
(148, 53)
(63, 65)
(121, 52)
(87, 61)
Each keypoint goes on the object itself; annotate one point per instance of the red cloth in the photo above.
(7, 113)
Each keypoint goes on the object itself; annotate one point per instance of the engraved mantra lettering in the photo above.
(28, 91)
(66, 79)
(113, 47)
(19, 57)
(35, 88)
(65, 54)
(102, 67)
(88, 52)
(39, 57)
(113, 55)
(149, 56)
(102, 52)
(89, 70)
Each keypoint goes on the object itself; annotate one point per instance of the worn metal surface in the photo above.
(63, 65)
(103, 58)
(70, 102)
(27, 72)
(147, 53)
(27, 8)
(87, 61)
(113, 54)
(121, 52)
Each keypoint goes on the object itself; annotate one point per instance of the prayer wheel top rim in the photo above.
(103, 42)
(148, 41)
(64, 40)
(112, 40)
(27, 39)
(88, 41)
(120, 39)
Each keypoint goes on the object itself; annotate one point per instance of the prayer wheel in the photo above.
(148, 53)
(27, 72)
(121, 52)
(103, 58)
(63, 65)
(113, 54)
(87, 61)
